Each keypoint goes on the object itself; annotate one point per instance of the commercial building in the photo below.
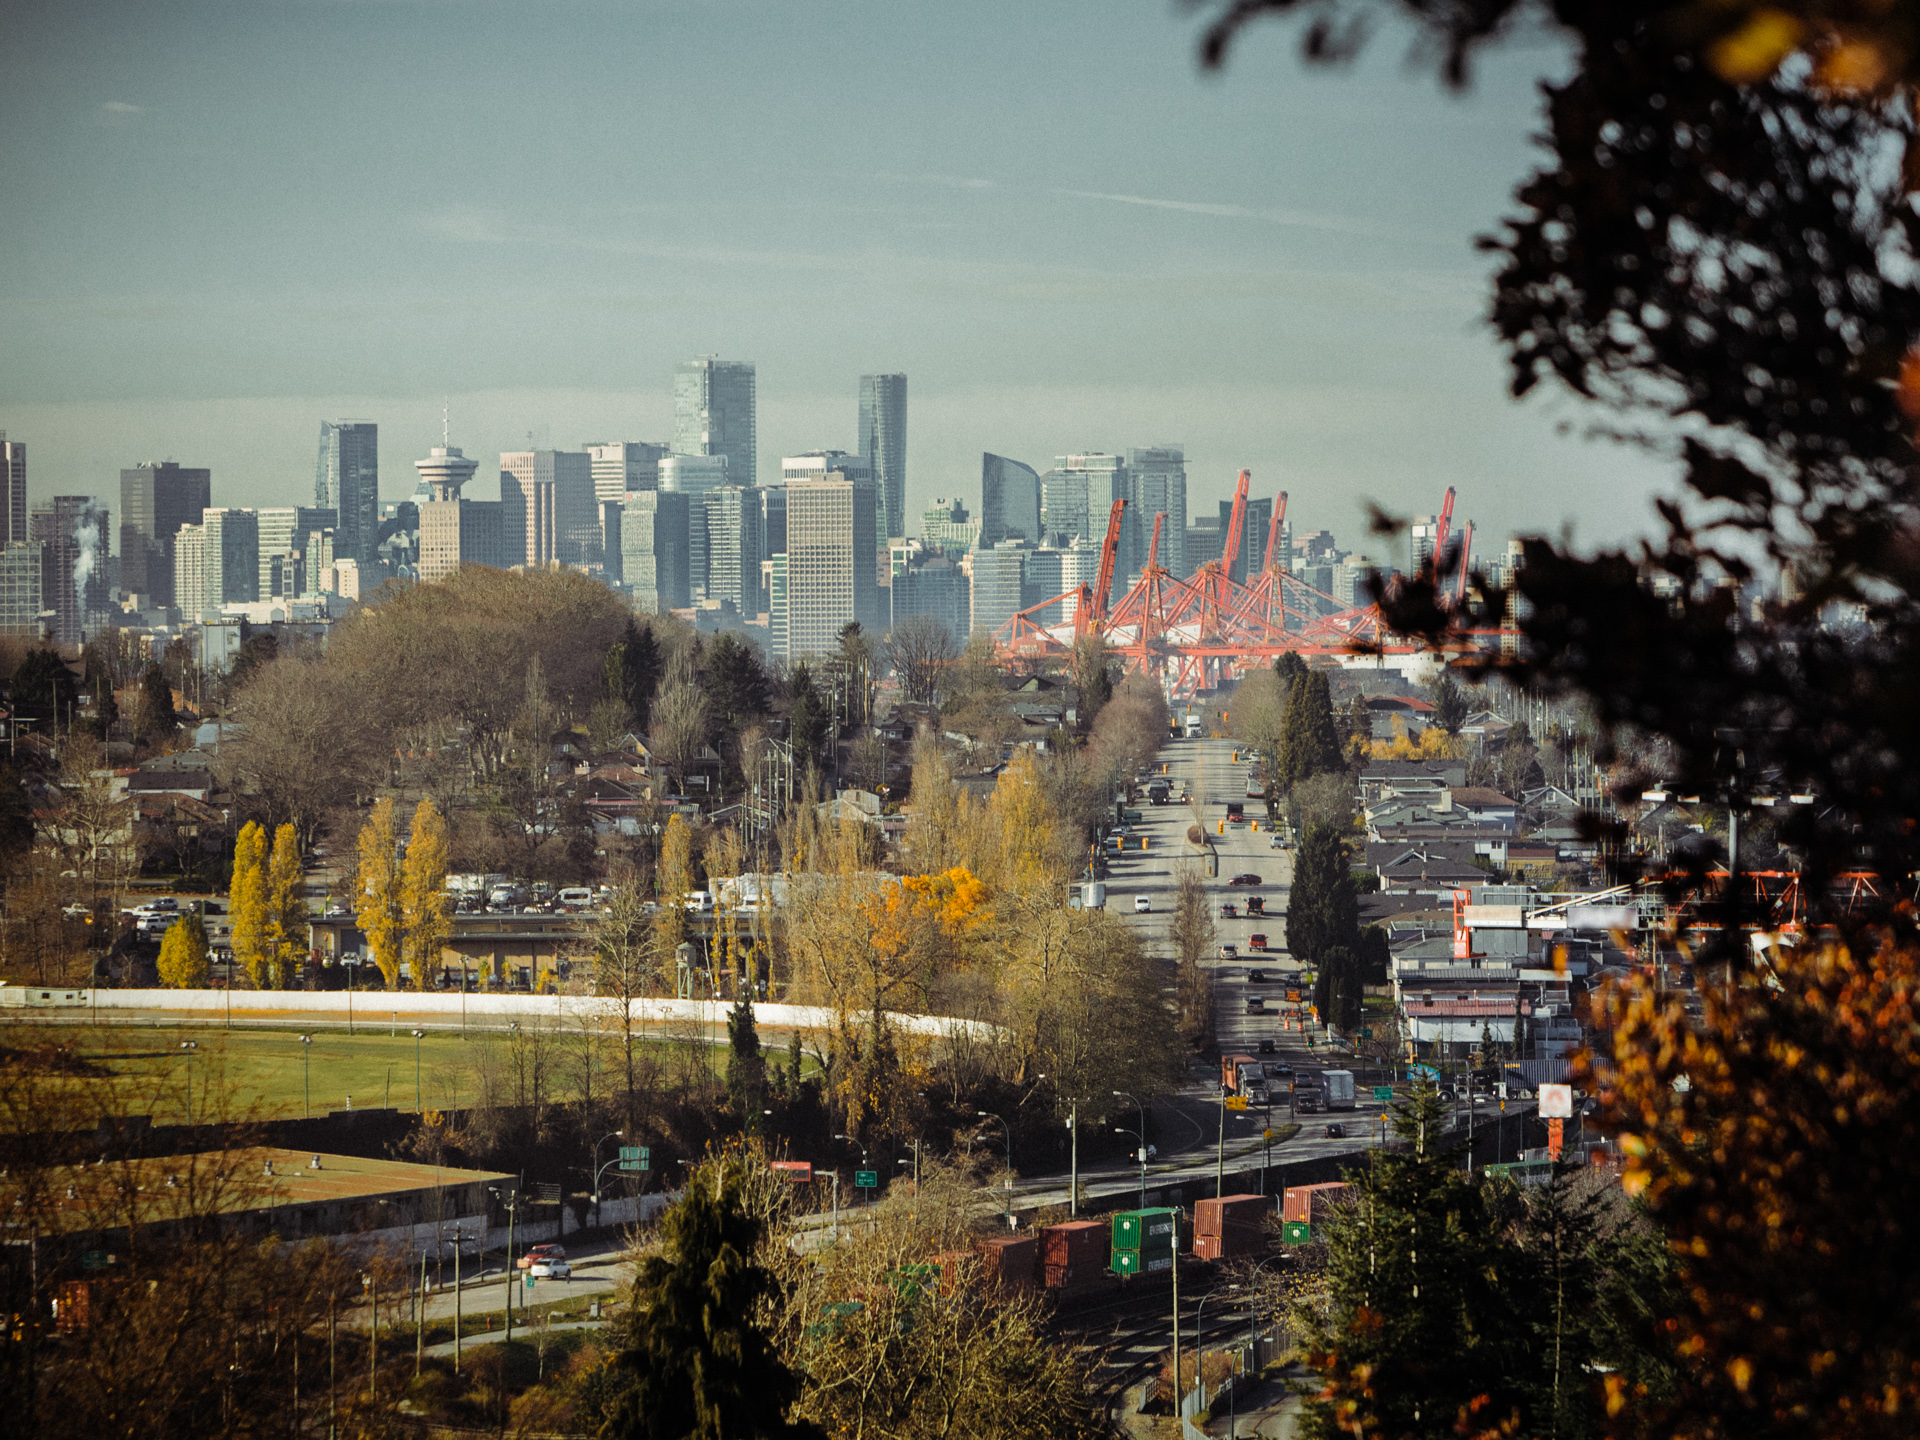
(1009, 501)
(734, 547)
(1203, 542)
(654, 550)
(1254, 524)
(1059, 571)
(13, 490)
(73, 532)
(831, 572)
(1066, 512)
(456, 531)
(999, 583)
(883, 441)
(624, 466)
(547, 513)
(347, 481)
(713, 413)
(1156, 484)
(283, 539)
(216, 562)
(156, 499)
(935, 586)
(21, 573)
(948, 528)
(695, 476)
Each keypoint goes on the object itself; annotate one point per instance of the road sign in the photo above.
(547, 1194)
(1556, 1102)
(1236, 1102)
(1383, 1093)
(530, 1280)
(1366, 1034)
(1266, 1135)
(797, 1171)
(866, 1179)
(636, 1157)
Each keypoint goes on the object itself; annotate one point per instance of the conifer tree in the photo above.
(423, 893)
(377, 896)
(247, 893)
(694, 1358)
(184, 954)
(1323, 912)
(153, 716)
(287, 926)
(746, 1067)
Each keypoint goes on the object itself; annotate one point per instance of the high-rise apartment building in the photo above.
(283, 532)
(713, 413)
(883, 441)
(347, 482)
(73, 533)
(654, 553)
(1156, 484)
(232, 557)
(1009, 501)
(695, 476)
(13, 490)
(547, 508)
(156, 499)
(456, 531)
(624, 466)
(190, 586)
(1105, 479)
(734, 547)
(21, 573)
(831, 574)
(773, 571)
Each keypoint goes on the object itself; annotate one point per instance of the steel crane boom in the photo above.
(1236, 523)
(1153, 548)
(1273, 530)
(1441, 531)
(1466, 552)
(1107, 548)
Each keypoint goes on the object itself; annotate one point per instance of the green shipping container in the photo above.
(1296, 1232)
(1131, 1262)
(1146, 1231)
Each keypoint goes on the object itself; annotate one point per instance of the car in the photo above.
(1229, 911)
(550, 1268)
(1256, 942)
(539, 1253)
(1336, 1132)
(1280, 1071)
(1266, 1045)
(1244, 880)
(1142, 905)
(1256, 1005)
(77, 911)
(1229, 952)
(1256, 977)
(1278, 842)
(1256, 905)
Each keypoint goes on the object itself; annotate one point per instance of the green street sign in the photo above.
(1383, 1093)
(1366, 1034)
(530, 1280)
(636, 1157)
(95, 1260)
(866, 1179)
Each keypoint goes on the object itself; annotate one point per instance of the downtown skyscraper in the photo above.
(347, 481)
(156, 500)
(883, 440)
(13, 491)
(713, 414)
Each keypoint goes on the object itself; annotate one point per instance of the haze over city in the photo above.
(233, 221)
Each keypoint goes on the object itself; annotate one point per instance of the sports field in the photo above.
(272, 1074)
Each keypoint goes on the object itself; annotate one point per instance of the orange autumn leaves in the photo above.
(922, 911)
(1775, 1137)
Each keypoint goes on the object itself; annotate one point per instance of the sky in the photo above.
(223, 223)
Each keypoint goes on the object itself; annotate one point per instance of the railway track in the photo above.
(1128, 1335)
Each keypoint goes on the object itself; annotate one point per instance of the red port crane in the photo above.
(1273, 530)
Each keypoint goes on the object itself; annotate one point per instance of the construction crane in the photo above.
(1440, 532)
(1466, 553)
(1236, 523)
(1273, 530)
(1153, 549)
(1107, 549)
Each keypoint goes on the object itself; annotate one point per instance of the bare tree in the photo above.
(626, 967)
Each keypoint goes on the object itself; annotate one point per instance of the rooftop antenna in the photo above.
(445, 430)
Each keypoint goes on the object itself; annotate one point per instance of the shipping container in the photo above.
(1212, 1217)
(1009, 1261)
(1236, 1244)
(1296, 1232)
(1146, 1231)
(1314, 1204)
(1073, 1255)
(1128, 1262)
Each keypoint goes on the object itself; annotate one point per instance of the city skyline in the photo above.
(1227, 271)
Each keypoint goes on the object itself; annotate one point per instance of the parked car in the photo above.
(541, 1252)
(1142, 905)
(1229, 952)
(1229, 911)
(550, 1268)
(1336, 1132)
(1256, 941)
(1244, 880)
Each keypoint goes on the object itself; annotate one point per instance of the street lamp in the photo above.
(1121, 1094)
(306, 1065)
(416, 1070)
(511, 1201)
(864, 1165)
(188, 1047)
(985, 1115)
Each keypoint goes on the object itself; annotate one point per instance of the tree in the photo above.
(303, 751)
(423, 894)
(153, 714)
(377, 894)
(736, 688)
(184, 954)
(1376, 956)
(746, 1067)
(627, 966)
(808, 723)
(247, 893)
(920, 649)
(1322, 912)
(16, 819)
(1337, 989)
(43, 688)
(680, 717)
(693, 1351)
(1309, 743)
(287, 926)
(1191, 933)
(1449, 705)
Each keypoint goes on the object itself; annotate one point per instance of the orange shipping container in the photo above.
(1211, 1217)
(1312, 1204)
(1009, 1261)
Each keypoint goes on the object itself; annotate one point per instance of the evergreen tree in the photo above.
(737, 689)
(247, 894)
(1449, 705)
(104, 713)
(1289, 667)
(1309, 741)
(423, 893)
(746, 1067)
(184, 954)
(634, 668)
(287, 926)
(807, 722)
(695, 1361)
(16, 819)
(1337, 991)
(1322, 912)
(1376, 956)
(1422, 1329)
(42, 687)
(153, 717)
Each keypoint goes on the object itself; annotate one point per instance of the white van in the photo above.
(700, 902)
(575, 897)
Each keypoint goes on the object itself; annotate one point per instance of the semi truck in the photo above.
(1337, 1085)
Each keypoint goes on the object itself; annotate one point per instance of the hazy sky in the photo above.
(221, 223)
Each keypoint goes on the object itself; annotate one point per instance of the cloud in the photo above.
(121, 110)
(946, 182)
(1301, 219)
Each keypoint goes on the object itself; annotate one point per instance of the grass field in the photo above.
(271, 1074)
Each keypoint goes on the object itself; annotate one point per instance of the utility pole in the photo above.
(1073, 1173)
(459, 1232)
(1220, 1156)
(1176, 1318)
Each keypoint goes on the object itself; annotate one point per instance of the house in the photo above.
(1485, 806)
